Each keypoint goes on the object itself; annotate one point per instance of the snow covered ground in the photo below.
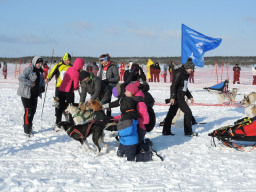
(52, 161)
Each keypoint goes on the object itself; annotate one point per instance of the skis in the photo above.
(161, 124)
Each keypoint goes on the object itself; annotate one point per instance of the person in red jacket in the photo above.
(69, 84)
(236, 70)
(157, 72)
(191, 77)
(122, 70)
(46, 69)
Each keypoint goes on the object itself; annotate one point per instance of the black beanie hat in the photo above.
(189, 64)
(39, 60)
(83, 75)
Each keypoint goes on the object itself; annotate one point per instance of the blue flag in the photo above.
(195, 44)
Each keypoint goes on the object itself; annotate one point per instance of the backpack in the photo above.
(152, 119)
(149, 101)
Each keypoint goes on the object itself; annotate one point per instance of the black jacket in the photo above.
(96, 88)
(134, 75)
(179, 85)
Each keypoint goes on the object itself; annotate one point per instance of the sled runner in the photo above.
(243, 130)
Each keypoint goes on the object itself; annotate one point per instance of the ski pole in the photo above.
(44, 100)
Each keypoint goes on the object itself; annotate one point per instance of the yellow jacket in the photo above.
(58, 70)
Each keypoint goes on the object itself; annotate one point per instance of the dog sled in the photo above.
(238, 136)
(221, 89)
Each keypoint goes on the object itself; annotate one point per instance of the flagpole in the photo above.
(181, 42)
(216, 68)
(227, 70)
(222, 71)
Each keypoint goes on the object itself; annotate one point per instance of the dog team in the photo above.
(88, 118)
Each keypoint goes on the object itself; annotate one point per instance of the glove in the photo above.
(167, 101)
(42, 90)
(105, 106)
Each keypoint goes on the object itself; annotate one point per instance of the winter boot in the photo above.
(168, 133)
(28, 130)
(120, 153)
(192, 134)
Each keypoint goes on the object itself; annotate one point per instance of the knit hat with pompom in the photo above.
(133, 87)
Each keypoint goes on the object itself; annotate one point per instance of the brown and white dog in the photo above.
(250, 98)
(231, 96)
(79, 116)
(247, 102)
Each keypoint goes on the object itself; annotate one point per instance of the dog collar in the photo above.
(77, 113)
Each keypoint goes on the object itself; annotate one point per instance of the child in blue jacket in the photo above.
(127, 131)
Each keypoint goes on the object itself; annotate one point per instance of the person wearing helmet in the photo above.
(59, 71)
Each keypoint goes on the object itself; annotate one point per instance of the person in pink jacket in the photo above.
(69, 84)
(132, 90)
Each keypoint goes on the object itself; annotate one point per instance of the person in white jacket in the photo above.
(254, 74)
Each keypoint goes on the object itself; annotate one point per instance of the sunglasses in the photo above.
(103, 59)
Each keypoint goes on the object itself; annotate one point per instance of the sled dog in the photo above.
(79, 116)
(251, 98)
(231, 96)
(81, 132)
(250, 109)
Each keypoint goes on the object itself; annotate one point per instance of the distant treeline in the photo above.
(143, 60)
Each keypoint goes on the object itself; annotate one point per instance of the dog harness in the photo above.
(87, 131)
(77, 113)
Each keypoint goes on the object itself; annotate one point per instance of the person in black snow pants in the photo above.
(31, 87)
(179, 90)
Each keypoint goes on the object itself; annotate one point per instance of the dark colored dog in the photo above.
(81, 132)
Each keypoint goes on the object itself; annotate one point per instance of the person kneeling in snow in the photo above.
(127, 131)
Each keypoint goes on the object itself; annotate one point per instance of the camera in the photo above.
(167, 101)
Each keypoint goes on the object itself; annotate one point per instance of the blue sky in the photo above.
(123, 27)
